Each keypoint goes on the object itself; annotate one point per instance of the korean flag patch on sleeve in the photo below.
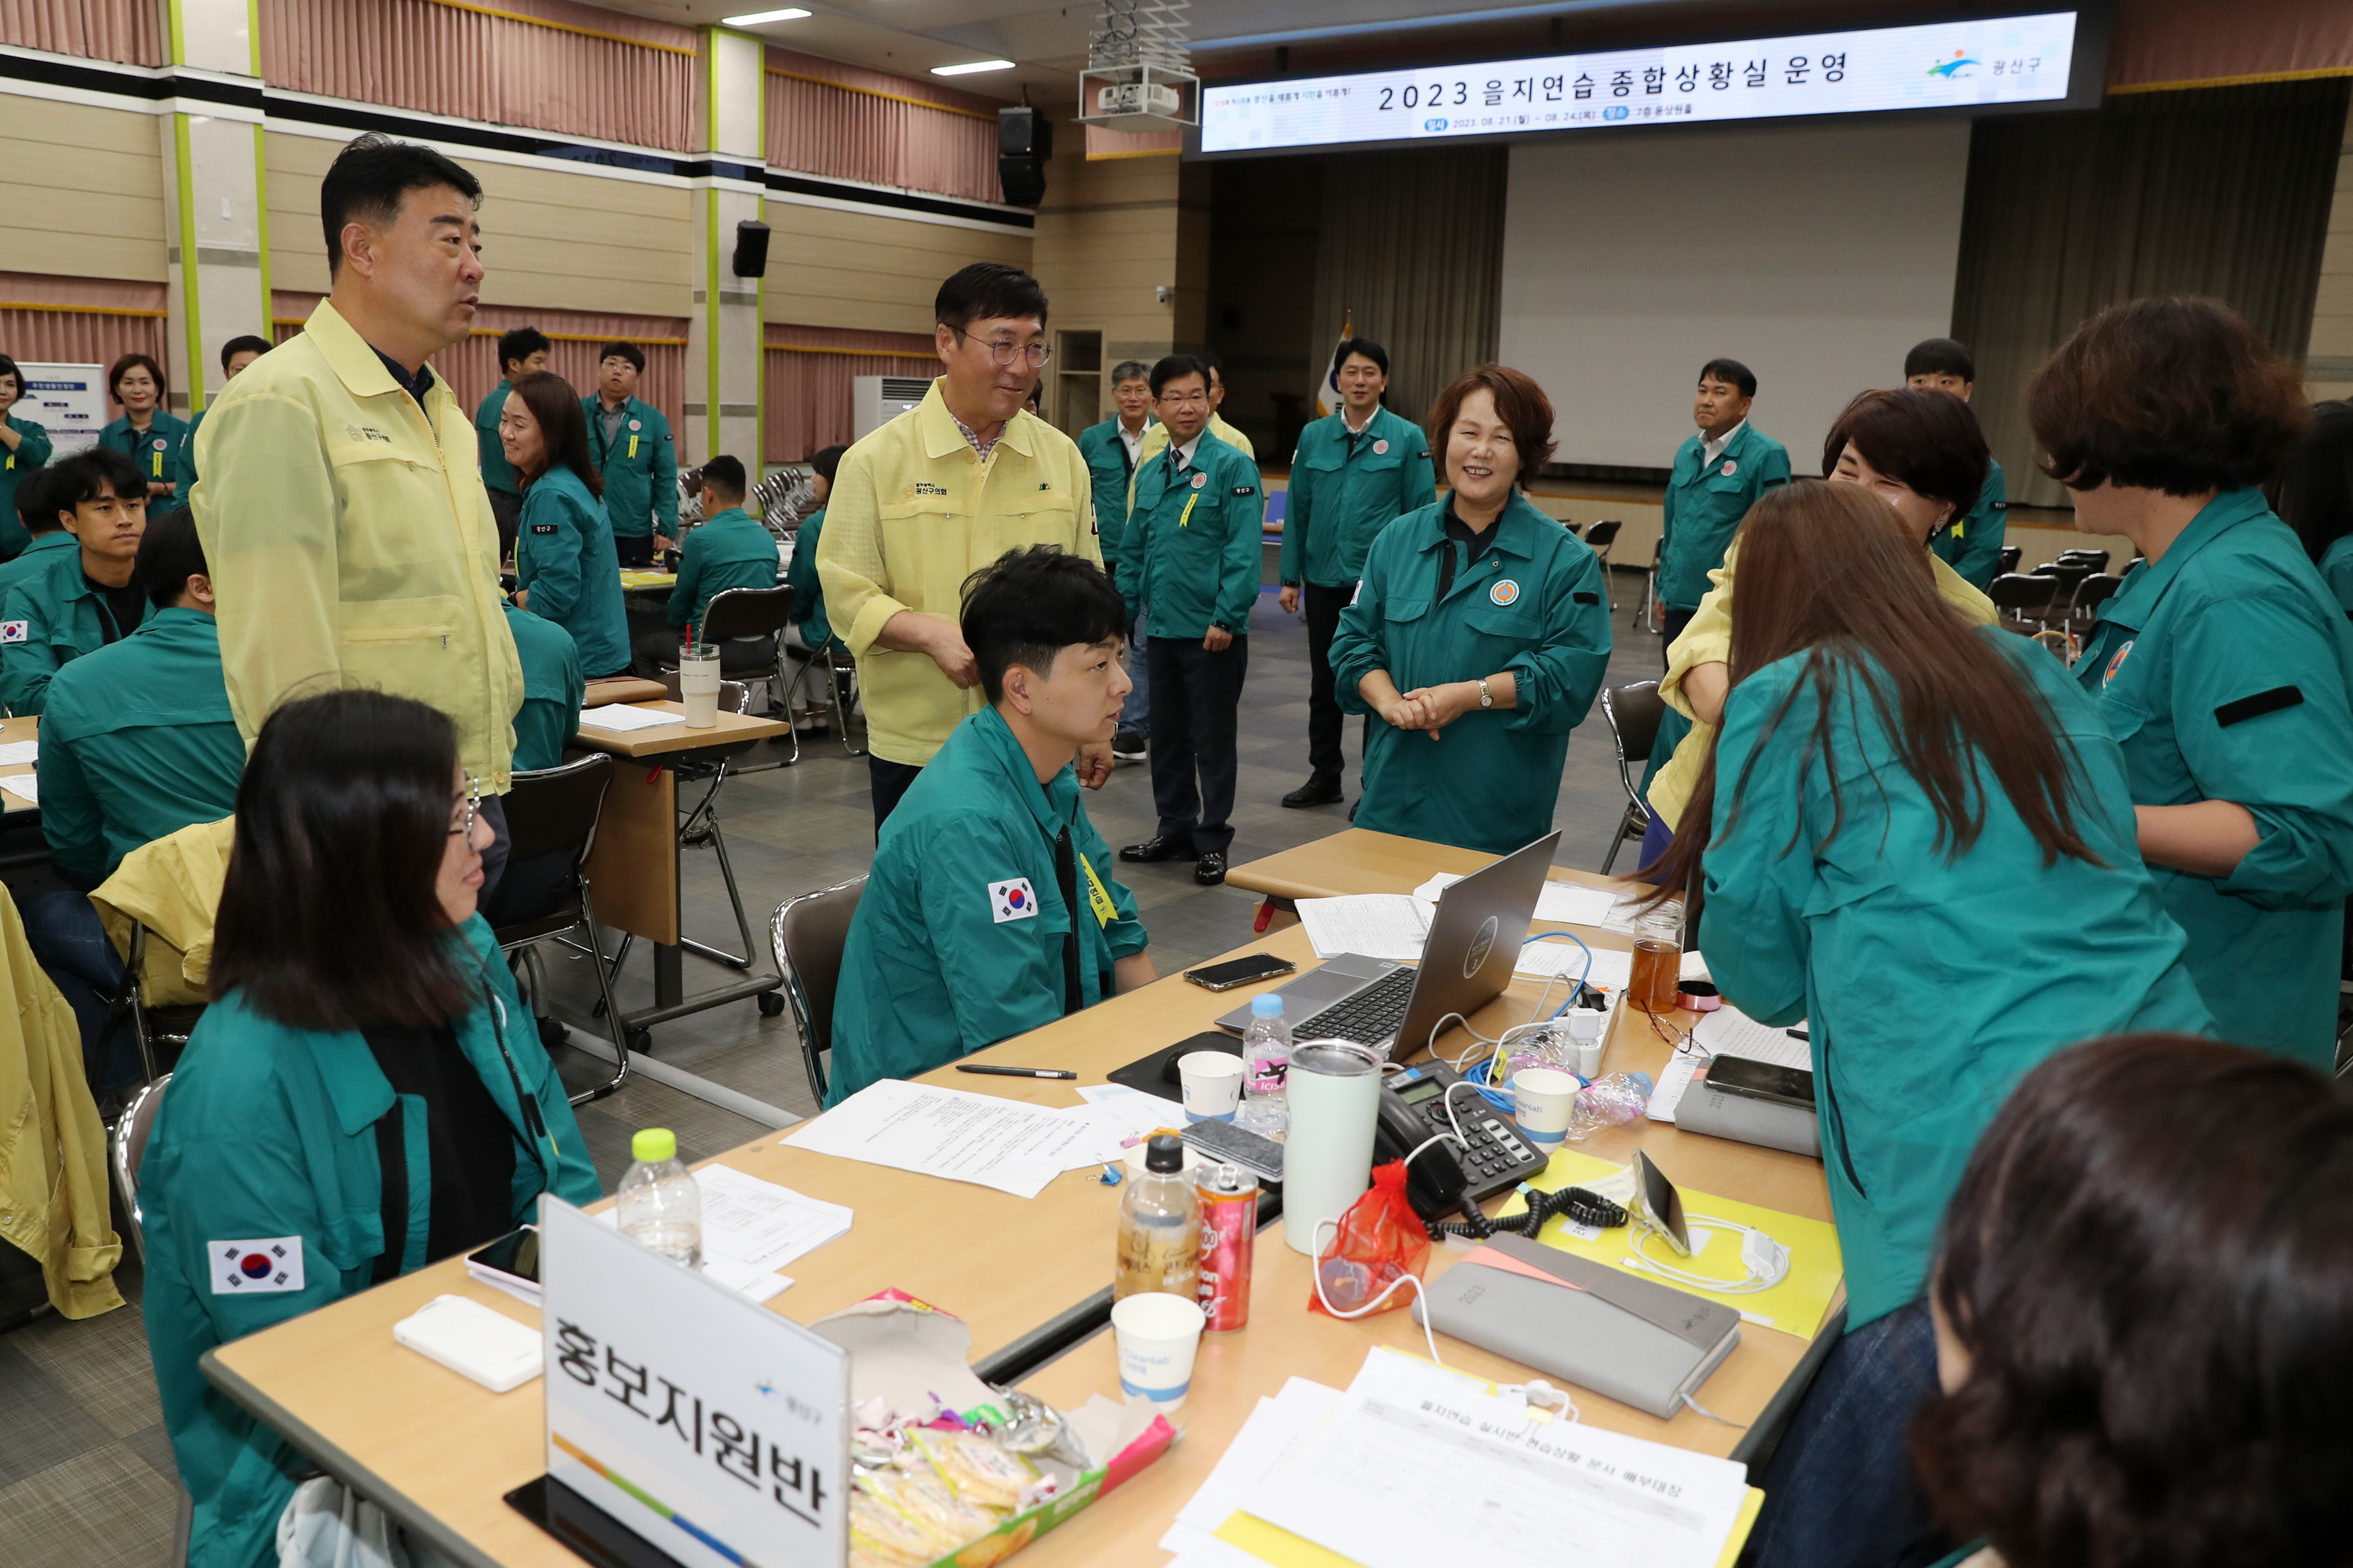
(257, 1267)
(16, 631)
(1013, 900)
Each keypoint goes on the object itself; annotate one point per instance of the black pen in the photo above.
(1798, 1034)
(1014, 1072)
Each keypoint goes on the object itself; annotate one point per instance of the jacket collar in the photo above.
(1049, 807)
(357, 1087)
(57, 539)
(943, 439)
(351, 357)
(731, 514)
(1515, 530)
(2145, 585)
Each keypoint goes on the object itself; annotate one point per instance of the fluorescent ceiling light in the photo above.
(971, 66)
(789, 14)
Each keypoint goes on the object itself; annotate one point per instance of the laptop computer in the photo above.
(1467, 958)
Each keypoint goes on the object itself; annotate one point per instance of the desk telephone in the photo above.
(1448, 1177)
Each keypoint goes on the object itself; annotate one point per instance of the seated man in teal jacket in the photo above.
(991, 909)
(77, 601)
(39, 520)
(553, 689)
(730, 549)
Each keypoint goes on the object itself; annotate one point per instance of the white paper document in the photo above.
(621, 717)
(1612, 969)
(761, 1224)
(1276, 1428)
(1559, 903)
(1390, 927)
(14, 752)
(1009, 1145)
(1728, 1031)
(1124, 1116)
(1592, 1498)
(27, 788)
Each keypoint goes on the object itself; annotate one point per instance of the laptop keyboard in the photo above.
(1369, 1018)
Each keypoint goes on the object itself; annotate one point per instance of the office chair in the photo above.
(127, 1147)
(1603, 538)
(551, 815)
(1633, 713)
(808, 934)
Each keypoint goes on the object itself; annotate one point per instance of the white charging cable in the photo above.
(1766, 1260)
(1353, 1313)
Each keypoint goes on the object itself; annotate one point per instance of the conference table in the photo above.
(1031, 1277)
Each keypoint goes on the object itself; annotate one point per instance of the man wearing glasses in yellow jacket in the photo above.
(340, 498)
(932, 497)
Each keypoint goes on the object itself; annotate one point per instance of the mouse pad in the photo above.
(1156, 1074)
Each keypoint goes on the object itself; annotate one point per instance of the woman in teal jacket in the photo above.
(24, 446)
(1923, 847)
(2223, 666)
(149, 434)
(368, 1093)
(1480, 633)
(567, 569)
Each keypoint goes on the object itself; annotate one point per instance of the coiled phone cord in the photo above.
(1584, 1207)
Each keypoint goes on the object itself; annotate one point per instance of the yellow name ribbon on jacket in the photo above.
(1098, 899)
(1190, 502)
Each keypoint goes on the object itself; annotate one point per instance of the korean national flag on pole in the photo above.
(1326, 398)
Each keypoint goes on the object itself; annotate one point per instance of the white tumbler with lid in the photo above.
(1334, 1088)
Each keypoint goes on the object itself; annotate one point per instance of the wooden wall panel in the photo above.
(832, 267)
(82, 189)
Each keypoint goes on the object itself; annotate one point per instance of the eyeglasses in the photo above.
(461, 821)
(1004, 350)
(1186, 399)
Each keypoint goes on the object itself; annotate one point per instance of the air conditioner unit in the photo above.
(879, 399)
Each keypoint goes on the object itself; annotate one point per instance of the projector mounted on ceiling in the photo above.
(1139, 74)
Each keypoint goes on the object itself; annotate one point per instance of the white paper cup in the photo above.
(698, 685)
(1543, 1100)
(1158, 1335)
(1212, 1082)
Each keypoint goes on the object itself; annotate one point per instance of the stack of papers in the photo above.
(1390, 927)
(621, 717)
(1314, 1476)
(1009, 1145)
(26, 787)
(752, 1228)
(19, 753)
(1559, 903)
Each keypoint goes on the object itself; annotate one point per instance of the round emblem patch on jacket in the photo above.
(2114, 664)
(1505, 591)
(1200, 480)
(160, 443)
(1728, 468)
(637, 424)
(1380, 446)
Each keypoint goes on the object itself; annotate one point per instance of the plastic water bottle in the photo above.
(659, 1202)
(1266, 1060)
(1159, 1244)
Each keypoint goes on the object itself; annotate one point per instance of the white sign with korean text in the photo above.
(709, 1427)
(1942, 65)
(68, 401)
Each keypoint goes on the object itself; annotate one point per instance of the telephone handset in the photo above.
(1494, 1157)
(1434, 1181)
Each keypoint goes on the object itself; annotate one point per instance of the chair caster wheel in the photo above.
(771, 1005)
(641, 1041)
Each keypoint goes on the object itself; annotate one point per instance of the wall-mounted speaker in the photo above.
(1025, 145)
(751, 249)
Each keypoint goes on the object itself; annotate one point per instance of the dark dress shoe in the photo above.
(1158, 848)
(1129, 745)
(1209, 870)
(1315, 792)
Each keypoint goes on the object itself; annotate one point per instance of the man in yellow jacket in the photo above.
(932, 497)
(341, 503)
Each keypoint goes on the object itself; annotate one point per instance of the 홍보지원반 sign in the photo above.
(709, 1427)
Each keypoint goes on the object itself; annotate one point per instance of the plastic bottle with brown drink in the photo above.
(1159, 1226)
(1658, 962)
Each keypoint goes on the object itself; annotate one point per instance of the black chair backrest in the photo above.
(2094, 591)
(1604, 532)
(811, 933)
(745, 613)
(552, 810)
(2096, 559)
(2009, 558)
(2066, 574)
(1634, 712)
(2013, 591)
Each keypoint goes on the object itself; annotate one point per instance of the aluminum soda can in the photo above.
(1228, 1197)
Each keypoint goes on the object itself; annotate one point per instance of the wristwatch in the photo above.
(1486, 698)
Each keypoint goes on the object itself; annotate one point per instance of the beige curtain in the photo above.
(2219, 190)
(1411, 246)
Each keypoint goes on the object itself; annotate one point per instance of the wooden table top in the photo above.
(661, 740)
(445, 1451)
(1358, 860)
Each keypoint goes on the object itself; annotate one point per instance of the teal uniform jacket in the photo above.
(564, 558)
(1192, 547)
(728, 551)
(639, 469)
(137, 741)
(1344, 490)
(157, 452)
(2225, 671)
(268, 1135)
(553, 689)
(1108, 467)
(49, 618)
(497, 472)
(184, 460)
(2337, 570)
(1930, 985)
(1703, 506)
(34, 556)
(960, 937)
(33, 449)
(809, 593)
(1533, 605)
(1972, 546)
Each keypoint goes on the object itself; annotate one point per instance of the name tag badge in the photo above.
(633, 442)
(261, 1266)
(1098, 897)
(542, 527)
(1013, 900)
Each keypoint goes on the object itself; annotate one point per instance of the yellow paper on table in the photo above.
(633, 582)
(1283, 1549)
(1795, 1306)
